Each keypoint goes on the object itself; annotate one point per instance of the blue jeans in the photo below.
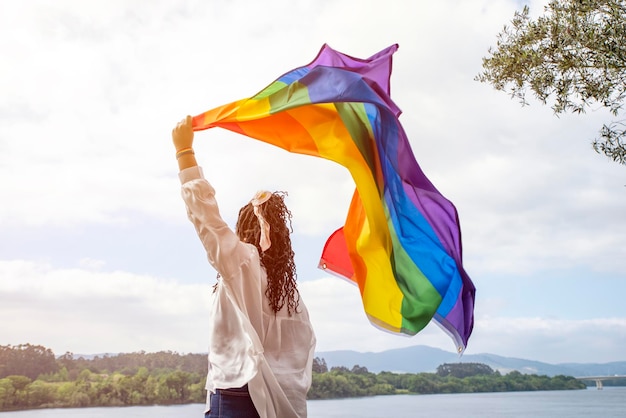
(232, 403)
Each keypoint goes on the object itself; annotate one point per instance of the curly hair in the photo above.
(278, 260)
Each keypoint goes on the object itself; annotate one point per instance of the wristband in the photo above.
(184, 151)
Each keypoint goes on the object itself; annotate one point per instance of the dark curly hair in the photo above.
(278, 260)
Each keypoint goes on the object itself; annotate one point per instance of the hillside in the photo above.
(420, 358)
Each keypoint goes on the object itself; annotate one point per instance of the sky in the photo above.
(96, 252)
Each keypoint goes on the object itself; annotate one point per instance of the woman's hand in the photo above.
(182, 136)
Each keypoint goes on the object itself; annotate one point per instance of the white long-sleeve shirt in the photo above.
(248, 342)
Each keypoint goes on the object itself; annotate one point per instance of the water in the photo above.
(607, 403)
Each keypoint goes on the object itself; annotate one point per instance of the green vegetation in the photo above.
(341, 382)
(575, 53)
(31, 377)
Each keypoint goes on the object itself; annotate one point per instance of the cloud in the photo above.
(88, 179)
(86, 311)
(595, 340)
(92, 311)
(341, 325)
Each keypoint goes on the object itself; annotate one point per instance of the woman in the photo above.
(261, 342)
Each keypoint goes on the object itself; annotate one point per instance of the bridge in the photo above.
(599, 379)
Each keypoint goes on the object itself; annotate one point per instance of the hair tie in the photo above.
(259, 198)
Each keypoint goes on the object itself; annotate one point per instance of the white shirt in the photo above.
(248, 343)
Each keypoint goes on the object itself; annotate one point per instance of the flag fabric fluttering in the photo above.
(401, 241)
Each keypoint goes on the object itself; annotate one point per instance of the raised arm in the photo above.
(224, 250)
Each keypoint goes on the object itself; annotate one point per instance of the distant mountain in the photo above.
(416, 359)
(424, 359)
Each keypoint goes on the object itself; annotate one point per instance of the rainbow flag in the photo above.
(401, 241)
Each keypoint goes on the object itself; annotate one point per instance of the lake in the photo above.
(607, 403)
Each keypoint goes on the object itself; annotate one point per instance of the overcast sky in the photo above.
(97, 255)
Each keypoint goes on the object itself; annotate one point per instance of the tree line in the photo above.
(31, 376)
(341, 382)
